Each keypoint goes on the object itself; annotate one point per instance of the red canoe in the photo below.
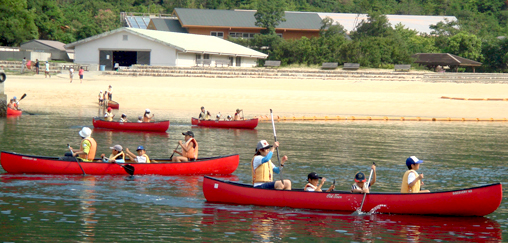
(249, 124)
(160, 126)
(477, 201)
(11, 112)
(113, 104)
(30, 164)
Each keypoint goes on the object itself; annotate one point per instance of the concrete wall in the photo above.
(88, 53)
(30, 55)
(56, 54)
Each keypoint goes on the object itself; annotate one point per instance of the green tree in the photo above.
(329, 29)
(269, 15)
(16, 23)
(465, 45)
(375, 25)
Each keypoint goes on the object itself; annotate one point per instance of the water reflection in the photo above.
(283, 225)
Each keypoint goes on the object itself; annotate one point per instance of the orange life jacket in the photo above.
(91, 153)
(263, 173)
(405, 186)
(192, 153)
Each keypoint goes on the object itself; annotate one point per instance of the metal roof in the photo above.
(183, 42)
(419, 23)
(243, 18)
(444, 59)
(53, 44)
(166, 24)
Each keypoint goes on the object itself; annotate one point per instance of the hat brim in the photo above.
(267, 147)
(364, 180)
(419, 162)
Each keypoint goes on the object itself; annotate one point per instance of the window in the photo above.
(279, 35)
(241, 35)
(125, 37)
(217, 33)
(198, 56)
(238, 61)
(206, 56)
(231, 61)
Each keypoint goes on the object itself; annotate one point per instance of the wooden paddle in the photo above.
(69, 147)
(22, 97)
(359, 211)
(275, 138)
(170, 158)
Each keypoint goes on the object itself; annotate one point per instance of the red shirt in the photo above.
(81, 71)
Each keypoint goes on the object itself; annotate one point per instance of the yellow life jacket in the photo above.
(109, 116)
(147, 158)
(405, 186)
(192, 153)
(91, 153)
(264, 172)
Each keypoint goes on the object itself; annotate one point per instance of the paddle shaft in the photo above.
(365, 194)
(77, 160)
(277, 148)
(174, 151)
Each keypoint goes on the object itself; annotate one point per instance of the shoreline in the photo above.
(182, 97)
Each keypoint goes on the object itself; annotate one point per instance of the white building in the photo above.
(128, 46)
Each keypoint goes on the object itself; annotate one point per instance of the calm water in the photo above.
(48, 208)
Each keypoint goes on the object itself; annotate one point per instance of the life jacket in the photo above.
(112, 156)
(202, 115)
(264, 172)
(108, 116)
(311, 188)
(91, 153)
(192, 153)
(405, 186)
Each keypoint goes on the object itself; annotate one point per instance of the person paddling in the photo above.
(359, 185)
(117, 155)
(87, 147)
(263, 168)
(411, 181)
(147, 117)
(123, 118)
(237, 115)
(142, 157)
(12, 105)
(108, 116)
(189, 149)
(202, 115)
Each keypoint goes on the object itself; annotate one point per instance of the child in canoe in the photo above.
(142, 157)
(359, 185)
(313, 184)
(412, 182)
(117, 155)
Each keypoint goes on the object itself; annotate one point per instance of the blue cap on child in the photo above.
(413, 160)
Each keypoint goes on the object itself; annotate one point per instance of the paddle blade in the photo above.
(22, 97)
(129, 169)
(357, 213)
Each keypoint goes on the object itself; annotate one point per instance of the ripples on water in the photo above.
(161, 208)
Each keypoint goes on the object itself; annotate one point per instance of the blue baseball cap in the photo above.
(140, 148)
(15, 97)
(413, 160)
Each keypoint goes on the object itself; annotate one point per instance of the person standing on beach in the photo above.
(101, 99)
(37, 66)
(81, 72)
(23, 65)
(71, 73)
(110, 92)
(46, 73)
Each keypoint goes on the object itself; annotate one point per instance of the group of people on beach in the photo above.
(29, 64)
(88, 149)
(263, 170)
(205, 115)
(81, 73)
(106, 96)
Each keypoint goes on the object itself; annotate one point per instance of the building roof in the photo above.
(166, 24)
(243, 18)
(419, 23)
(49, 43)
(444, 59)
(189, 43)
(140, 22)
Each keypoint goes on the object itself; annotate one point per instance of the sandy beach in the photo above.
(183, 97)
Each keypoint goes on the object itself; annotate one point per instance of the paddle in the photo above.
(22, 97)
(77, 160)
(359, 211)
(170, 158)
(128, 168)
(278, 156)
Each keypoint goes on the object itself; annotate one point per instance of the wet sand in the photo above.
(183, 97)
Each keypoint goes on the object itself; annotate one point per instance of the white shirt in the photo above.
(141, 159)
(411, 177)
(310, 188)
(256, 163)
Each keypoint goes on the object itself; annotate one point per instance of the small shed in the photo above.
(56, 48)
(433, 60)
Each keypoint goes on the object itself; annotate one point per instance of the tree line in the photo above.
(477, 34)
